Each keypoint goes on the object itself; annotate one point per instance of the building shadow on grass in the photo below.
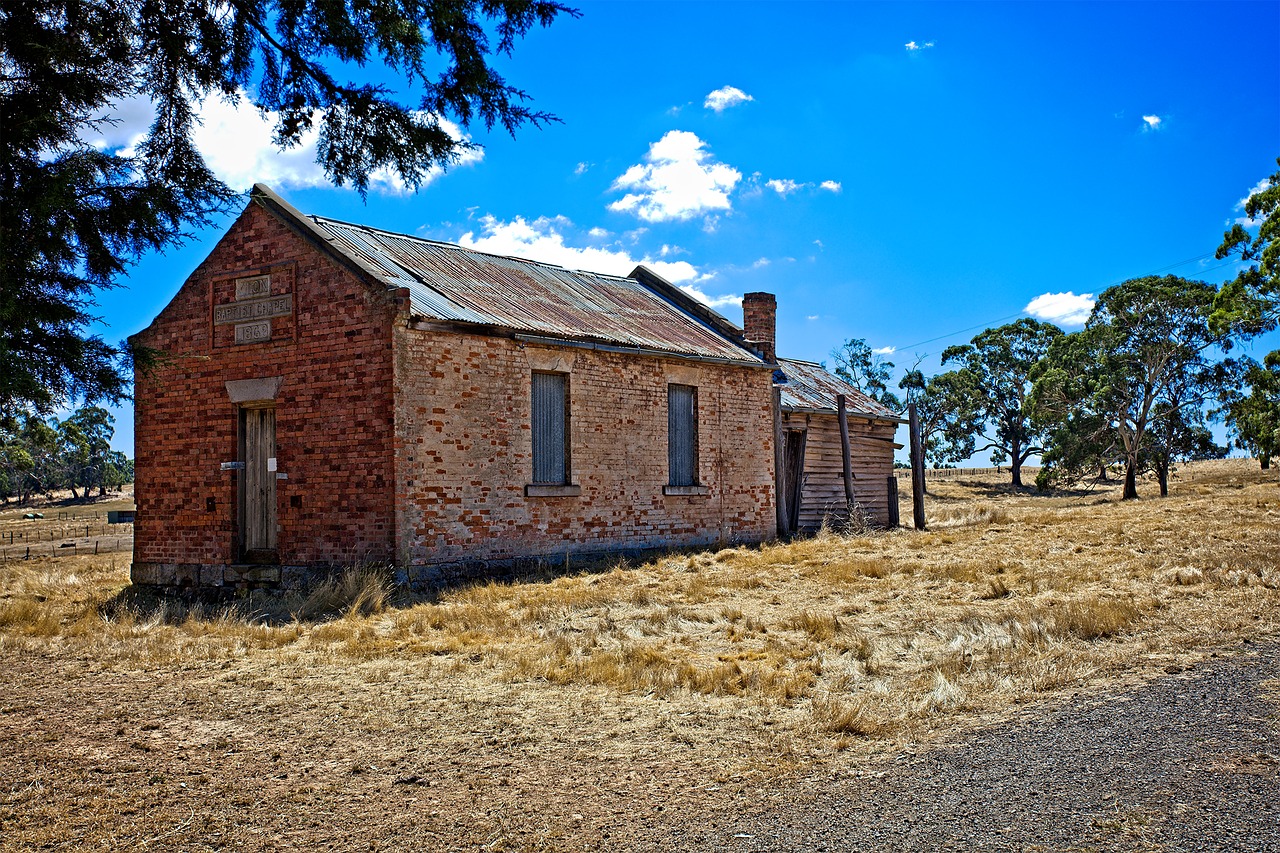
(362, 589)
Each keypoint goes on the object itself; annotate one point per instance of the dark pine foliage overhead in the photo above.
(73, 216)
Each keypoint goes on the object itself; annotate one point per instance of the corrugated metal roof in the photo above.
(808, 386)
(448, 282)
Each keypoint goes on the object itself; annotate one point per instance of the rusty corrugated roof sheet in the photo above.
(453, 283)
(807, 386)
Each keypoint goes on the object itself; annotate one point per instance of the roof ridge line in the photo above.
(317, 217)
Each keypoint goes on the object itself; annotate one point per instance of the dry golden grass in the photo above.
(743, 661)
(1007, 596)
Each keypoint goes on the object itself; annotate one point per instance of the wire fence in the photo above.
(71, 533)
(1028, 472)
(67, 548)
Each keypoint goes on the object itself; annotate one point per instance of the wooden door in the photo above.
(793, 473)
(258, 485)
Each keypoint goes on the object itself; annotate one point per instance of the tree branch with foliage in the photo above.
(73, 216)
(1249, 304)
(868, 371)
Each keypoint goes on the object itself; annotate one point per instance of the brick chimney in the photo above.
(760, 322)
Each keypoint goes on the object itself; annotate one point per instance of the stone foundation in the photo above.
(187, 576)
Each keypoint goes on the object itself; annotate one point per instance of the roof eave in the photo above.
(813, 410)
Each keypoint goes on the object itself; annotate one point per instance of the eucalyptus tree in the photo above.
(1254, 416)
(74, 215)
(868, 371)
(994, 370)
(944, 406)
(84, 450)
(1142, 358)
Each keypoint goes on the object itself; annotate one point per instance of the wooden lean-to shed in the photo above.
(810, 461)
(813, 453)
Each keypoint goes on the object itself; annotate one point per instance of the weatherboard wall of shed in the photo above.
(871, 456)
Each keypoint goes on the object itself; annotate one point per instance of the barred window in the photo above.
(550, 428)
(682, 434)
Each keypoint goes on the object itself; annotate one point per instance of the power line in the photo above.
(985, 325)
(989, 323)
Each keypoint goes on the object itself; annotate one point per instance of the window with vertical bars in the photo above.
(682, 434)
(550, 428)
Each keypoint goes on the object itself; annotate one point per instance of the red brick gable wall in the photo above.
(464, 452)
(334, 412)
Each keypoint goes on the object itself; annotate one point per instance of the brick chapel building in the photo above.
(325, 393)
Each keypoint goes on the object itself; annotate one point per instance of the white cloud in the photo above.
(729, 300)
(885, 350)
(1065, 309)
(1152, 122)
(761, 262)
(543, 240)
(727, 96)
(812, 317)
(581, 168)
(237, 144)
(784, 186)
(598, 233)
(679, 180)
(911, 45)
(819, 244)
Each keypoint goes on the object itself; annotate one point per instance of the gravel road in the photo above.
(1188, 762)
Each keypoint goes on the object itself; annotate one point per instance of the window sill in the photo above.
(686, 491)
(534, 490)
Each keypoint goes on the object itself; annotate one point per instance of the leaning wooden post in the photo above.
(842, 414)
(779, 464)
(917, 469)
(894, 521)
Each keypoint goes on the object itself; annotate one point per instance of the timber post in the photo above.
(894, 520)
(779, 464)
(917, 469)
(843, 415)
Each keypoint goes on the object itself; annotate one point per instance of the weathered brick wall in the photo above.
(464, 452)
(759, 322)
(334, 413)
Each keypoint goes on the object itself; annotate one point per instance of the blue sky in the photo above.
(904, 173)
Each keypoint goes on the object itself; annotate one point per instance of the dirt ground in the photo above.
(607, 710)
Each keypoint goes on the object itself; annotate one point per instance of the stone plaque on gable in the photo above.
(258, 307)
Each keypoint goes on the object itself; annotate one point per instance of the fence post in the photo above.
(894, 520)
(917, 469)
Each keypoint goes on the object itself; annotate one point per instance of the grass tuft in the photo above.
(359, 590)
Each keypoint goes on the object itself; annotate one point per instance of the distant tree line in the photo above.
(1134, 389)
(39, 456)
